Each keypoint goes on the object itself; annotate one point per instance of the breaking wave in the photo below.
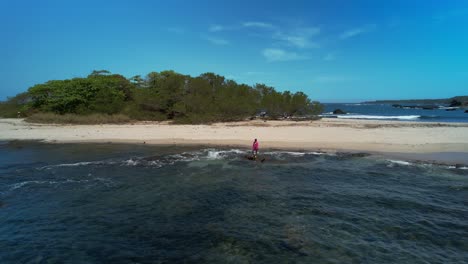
(403, 117)
(212, 154)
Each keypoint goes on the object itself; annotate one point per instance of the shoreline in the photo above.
(453, 159)
(445, 143)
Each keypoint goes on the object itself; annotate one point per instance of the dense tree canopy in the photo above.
(159, 96)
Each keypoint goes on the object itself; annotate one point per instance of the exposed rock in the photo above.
(455, 103)
(429, 107)
(339, 112)
(451, 109)
(466, 111)
(349, 155)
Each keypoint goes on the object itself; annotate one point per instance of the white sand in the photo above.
(326, 134)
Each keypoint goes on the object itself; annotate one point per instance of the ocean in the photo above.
(387, 112)
(119, 203)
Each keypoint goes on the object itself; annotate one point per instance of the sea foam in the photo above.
(403, 117)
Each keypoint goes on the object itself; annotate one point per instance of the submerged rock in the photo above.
(429, 107)
(466, 111)
(339, 112)
(347, 155)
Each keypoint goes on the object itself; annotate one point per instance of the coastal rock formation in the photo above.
(425, 107)
(339, 112)
(455, 103)
(466, 111)
(429, 107)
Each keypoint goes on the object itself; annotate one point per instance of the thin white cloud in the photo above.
(329, 57)
(281, 55)
(257, 24)
(216, 28)
(357, 31)
(299, 38)
(217, 41)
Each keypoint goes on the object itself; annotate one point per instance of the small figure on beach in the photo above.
(255, 148)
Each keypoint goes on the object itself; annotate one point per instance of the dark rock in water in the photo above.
(458, 166)
(358, 155)
(455, 103)
(250, 157)
(451, 109)
(429, 107)
(339, 112)
(348, 155)
(397, 105)
(411, 107)
(466, 111)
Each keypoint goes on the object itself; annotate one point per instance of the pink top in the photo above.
(255, 145)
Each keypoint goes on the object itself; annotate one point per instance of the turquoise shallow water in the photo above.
(104, 203)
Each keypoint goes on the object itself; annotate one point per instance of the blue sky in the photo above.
(335, 51)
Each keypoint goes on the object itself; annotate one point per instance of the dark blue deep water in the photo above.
(104, 203)
(387, 112)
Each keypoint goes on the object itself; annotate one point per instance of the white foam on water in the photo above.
(21, 184)
(457, 168)
(447, 107)
(321, 153)
(405, 117)
(400, 162)
(156, 163)
(292, 153)
(77, 164)
(213, 155)
(130, 162)
(357, 104)
(25, 183)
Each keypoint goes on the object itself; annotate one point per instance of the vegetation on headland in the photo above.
(103, 97)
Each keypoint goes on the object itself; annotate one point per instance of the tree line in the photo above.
(165, 95)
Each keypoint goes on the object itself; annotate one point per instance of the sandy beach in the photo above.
(326, 135)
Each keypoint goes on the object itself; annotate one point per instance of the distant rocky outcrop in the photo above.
(339, 112)
(455, 103)
(425, 107)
